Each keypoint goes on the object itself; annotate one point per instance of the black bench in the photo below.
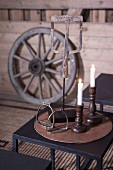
(10, 160)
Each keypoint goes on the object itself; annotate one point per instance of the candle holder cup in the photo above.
(79, 127)
(93, 118)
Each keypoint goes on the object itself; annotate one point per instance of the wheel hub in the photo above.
(37, 66)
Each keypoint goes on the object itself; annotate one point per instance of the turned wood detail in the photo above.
(92, 105)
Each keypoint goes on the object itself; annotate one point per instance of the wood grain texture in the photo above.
(97, 47)
(59, 4)
(4, 15)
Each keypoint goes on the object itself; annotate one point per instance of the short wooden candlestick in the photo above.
(93, 118)
(79, 127)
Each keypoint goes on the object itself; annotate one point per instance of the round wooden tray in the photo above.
(94, 133)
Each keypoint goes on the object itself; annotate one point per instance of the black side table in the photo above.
(104, 90)
(93, 150)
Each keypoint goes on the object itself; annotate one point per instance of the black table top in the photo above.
(95, 149)
(104, 89)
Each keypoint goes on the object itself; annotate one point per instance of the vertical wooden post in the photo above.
(4, 15)
(16, 15)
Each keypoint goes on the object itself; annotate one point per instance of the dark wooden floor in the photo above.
(14, 114)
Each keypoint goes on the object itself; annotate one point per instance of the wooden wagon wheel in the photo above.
(35, 71)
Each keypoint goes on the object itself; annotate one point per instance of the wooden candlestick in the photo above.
(79, 127)
(93, 118)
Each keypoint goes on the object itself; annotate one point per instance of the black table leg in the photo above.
(77, 162)
(101, 107)
(53, 159)
(99, 164)
(15, 145)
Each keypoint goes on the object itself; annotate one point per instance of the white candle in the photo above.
(92, 76)
(79, 96)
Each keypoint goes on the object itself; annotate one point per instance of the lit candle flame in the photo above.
(80, 80)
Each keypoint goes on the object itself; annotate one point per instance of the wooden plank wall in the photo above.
(59, 4)
(100, 16)
(18, 17)
(97, 47)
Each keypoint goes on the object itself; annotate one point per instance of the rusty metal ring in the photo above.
(44, 123)
(55, 128)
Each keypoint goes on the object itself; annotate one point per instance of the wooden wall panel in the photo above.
(89, 29)
(98, 16)
(20, 10)
(35, 15)
(109, 16)
(45, 15)
(4, 16)
(97, 47)
(50, 13)
(74, 12)
(16, 15)
(102, 16)
(27, 15)
(59, 4)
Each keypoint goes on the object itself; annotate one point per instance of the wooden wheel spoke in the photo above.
(30, 49)
(54, 60)
(49, 50)
(56, 81)
(43, 43)
(21, 74)
(40, 87)
(39, 46)
(52, 71)
(50, 83)
(20, 58)
(29, 83)
(56, 48)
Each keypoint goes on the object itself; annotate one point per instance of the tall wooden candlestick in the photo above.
(93, 118)
(79, 127)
